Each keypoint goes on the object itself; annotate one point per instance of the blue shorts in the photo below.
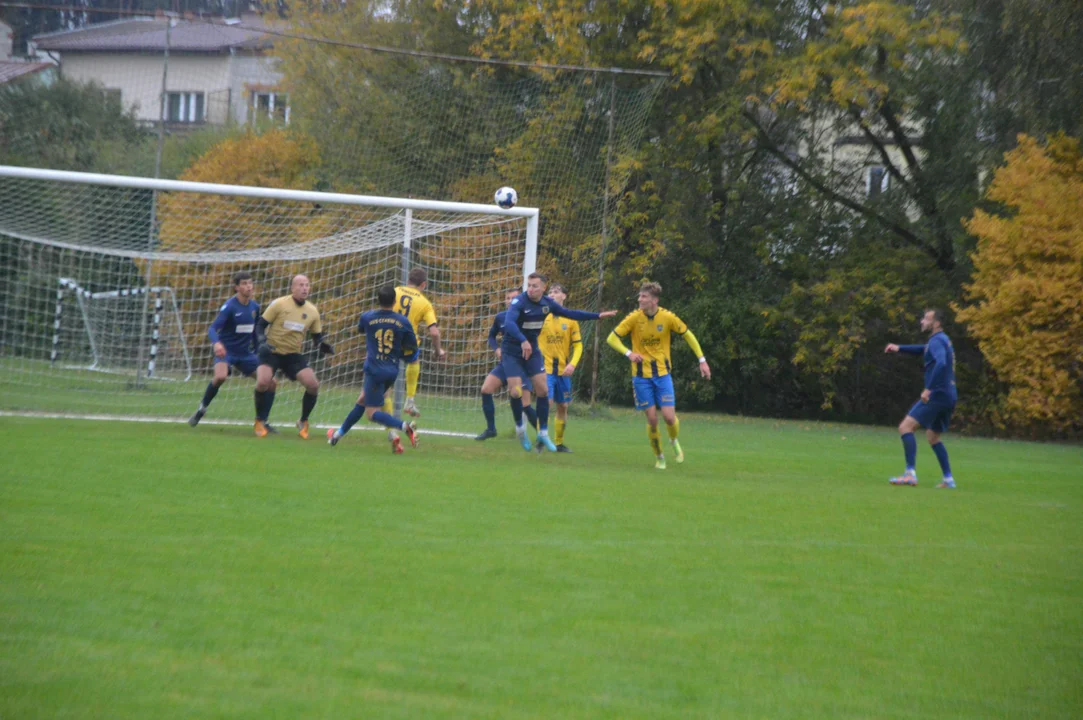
(560, 389)
(246, 363)
(376, 386)
(499, 374)
(654, 392)
(933, 416)
(516, 365)
(411, 359)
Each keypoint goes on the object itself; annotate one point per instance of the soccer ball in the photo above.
(506, 197)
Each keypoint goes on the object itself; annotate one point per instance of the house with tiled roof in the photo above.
(218, 71)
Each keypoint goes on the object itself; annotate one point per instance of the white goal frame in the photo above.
(82, 295)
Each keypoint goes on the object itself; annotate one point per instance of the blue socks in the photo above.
(386, 420)
(517, 411)
(910, 449)
(942, 456)
(531, 416)
(356, 414)
(543, 413)
(489, 408)
(209, 394)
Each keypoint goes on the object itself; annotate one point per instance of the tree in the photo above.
(65, 125)
(1026, 297)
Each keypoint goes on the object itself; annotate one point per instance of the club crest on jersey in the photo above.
(564, 326)
(659, 328)
(304, 316)
(545, 309)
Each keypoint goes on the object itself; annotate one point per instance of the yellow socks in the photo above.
(413, 372)
(656, 440)
(674, 429)
(558, 431)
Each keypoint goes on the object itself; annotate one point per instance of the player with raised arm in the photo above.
(933, 410)
(411, 302)
(520, 355)
(561, 345)
(281, 334)
(651, 328)
(496, 378)
(233, 334)
(389, 337)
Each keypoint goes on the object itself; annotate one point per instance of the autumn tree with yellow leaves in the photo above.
(1025, 301)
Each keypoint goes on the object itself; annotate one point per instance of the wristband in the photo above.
(628, 353)
(703, 359)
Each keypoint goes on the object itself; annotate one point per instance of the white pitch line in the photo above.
(232, 423)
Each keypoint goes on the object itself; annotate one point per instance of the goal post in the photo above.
(83, 291)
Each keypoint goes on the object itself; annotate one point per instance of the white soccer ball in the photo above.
(506, 197)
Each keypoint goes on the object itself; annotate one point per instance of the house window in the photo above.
(185, 107)
(877, 181)
(270, 105)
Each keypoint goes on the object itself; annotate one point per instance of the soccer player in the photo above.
(933, 411)
(561, 346)
(389, 337)
(411, 302)
(233, 333)
(651, 327)
(520, 355)
(281, 333)
(496, 378)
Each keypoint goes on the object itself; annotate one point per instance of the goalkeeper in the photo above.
(281, 334)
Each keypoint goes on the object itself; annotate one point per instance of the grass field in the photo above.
(156, 571)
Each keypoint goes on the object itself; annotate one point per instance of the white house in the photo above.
(218, 71)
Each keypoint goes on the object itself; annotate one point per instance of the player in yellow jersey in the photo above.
(280, 337)
(650, 328)
(561, 346)
(411, 302)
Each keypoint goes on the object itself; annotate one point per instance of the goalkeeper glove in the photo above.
(326, 349)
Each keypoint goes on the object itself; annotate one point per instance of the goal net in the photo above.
(108, 285)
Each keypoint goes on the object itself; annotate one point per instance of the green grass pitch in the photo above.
(159, 571)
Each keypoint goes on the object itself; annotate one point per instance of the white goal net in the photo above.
(109, 284)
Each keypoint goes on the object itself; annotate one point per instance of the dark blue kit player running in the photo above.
(389, 338)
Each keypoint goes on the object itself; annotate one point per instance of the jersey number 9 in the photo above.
(404, 305)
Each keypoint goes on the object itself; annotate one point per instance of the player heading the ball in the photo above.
(521, 357)
(281, 333)
(389, 337)
(650, 328)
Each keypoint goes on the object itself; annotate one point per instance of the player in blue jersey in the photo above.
(389, 338)
(233, 334)
(520, 354)
(496, 378)
(933, 411)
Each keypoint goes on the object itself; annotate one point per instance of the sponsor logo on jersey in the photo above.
(295, 326)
